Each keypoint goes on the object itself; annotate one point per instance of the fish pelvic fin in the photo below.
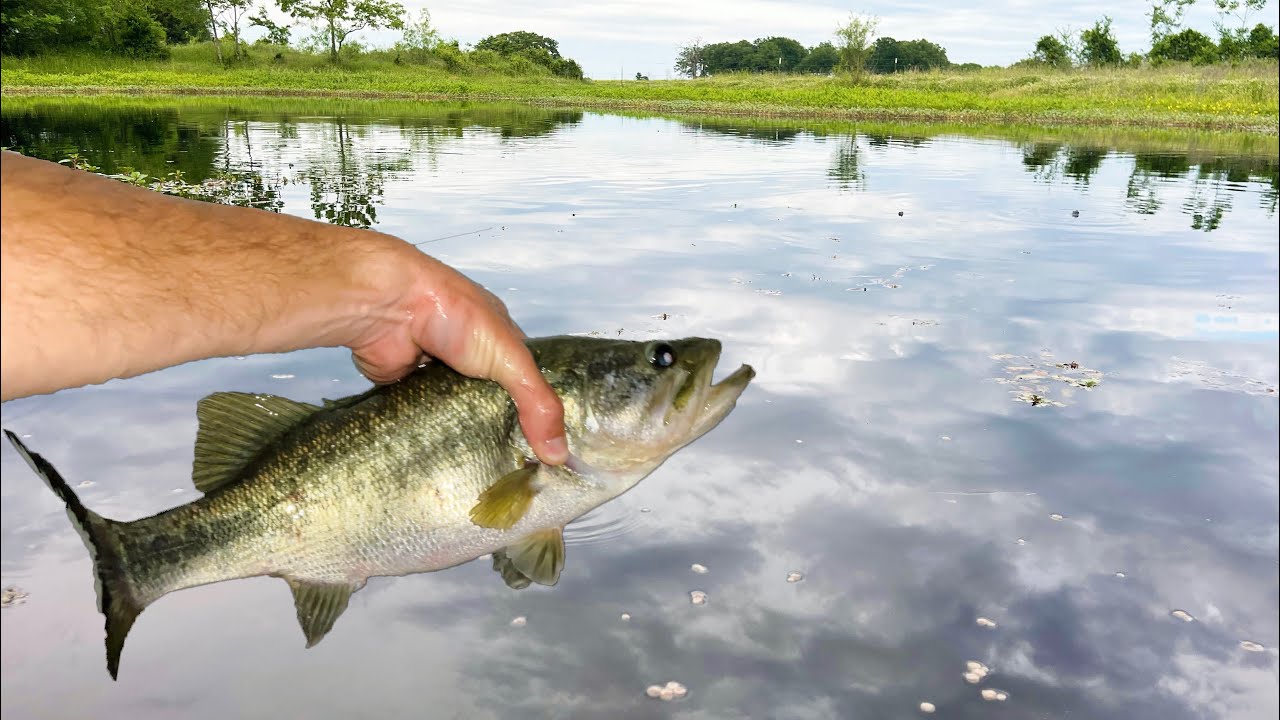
(117, 600)
(319, 604)
(502, 505)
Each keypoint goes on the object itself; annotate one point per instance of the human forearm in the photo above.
(156, 281)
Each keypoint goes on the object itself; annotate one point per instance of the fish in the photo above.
(416, 476)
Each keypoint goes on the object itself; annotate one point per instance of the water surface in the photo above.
(917, 445)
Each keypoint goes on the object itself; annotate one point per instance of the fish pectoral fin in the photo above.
(514, 579)
(234, 428)
(539, 557)
(502, 505)
(319, 604)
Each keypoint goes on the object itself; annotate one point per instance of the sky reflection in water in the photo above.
(882, 450)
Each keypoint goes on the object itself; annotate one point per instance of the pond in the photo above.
(1015, 417)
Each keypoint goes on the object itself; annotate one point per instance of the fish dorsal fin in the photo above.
(234, 428)
(319, 604)
(539, 557)
(502, 505)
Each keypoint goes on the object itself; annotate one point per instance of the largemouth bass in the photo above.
(416, 476)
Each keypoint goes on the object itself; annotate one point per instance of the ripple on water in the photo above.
(605, 524)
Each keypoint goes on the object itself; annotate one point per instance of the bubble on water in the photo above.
(26, 436)
(795, 576)
(177, 491)
(799, 442)
(972, 678)
(946, 437)
(697, 597)
(699, 568)
(993, 695)
(985, 622)
(85, 484)
(1120, 575)
(927, 707)
(1056, 516)
(667, 694)
(1251, 646)
(625, 617)
(645, 509)
(1021, 541)
(283, 376)
(653, 691)
(520, 621)
(1183, 615)
(677, 689)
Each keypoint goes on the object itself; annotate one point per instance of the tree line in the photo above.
(856, 50)
(147, 29)
(785, 55)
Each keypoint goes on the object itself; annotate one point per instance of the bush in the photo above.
(1186, 46)
(139, 36)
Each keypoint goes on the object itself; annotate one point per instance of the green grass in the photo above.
(1244, 98)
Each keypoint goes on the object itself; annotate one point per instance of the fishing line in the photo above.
(450, 237)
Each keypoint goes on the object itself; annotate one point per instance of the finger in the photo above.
(386, 362)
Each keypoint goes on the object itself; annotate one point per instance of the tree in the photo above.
(520, 42)
(853, 41)
(777, 54)
(233, 14)
(822, 59)
(1052, 52)
(276, 34)
(1186, 46)
(182, 20)
(135, 34)
(338, 19)
(1263, 42)
(1098, 44)
(889, 55)
(690, 61)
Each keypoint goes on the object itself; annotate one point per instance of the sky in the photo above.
(619, 37)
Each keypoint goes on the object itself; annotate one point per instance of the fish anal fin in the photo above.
(234, 428)
(502, 505)
(539, 557)
(319, 604)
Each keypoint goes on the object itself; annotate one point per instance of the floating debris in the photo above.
(697, 597)
(1207, 376)
(927, 708)
(520, 621)
(795, 576)
(993, 695)
(1247, 645)
(698, 568)
(1056, 516)
(985, 622)
(12, 597)
(975, 672)
(1183, 615)
(625, 617)
(1075, 213)
(671, 691)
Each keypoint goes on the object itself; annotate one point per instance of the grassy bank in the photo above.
(1245, 98)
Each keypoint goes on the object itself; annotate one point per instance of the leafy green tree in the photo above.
(276, 34)
(1052, 52)
(1098, 44)
(853, 42)
(135, 34)
(338, 19)
(691, 61)
(729, 57)
(183, 20)
(533, 47)
(821, 59)
(777, 54)
(1186, 46)
(234, 13)
(1263, 42)
(889, 55)
(419, 37)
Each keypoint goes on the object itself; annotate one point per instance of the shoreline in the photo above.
(767, 110)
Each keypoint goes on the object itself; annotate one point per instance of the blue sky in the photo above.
(617, 36)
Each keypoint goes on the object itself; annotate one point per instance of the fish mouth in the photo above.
(716, 400)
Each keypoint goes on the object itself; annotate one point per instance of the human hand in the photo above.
(439, 313)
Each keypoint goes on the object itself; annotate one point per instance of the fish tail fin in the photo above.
(117, 600)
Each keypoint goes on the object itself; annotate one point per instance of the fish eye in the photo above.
(662, 355)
